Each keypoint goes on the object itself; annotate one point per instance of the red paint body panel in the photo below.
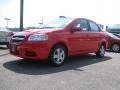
(41, 50)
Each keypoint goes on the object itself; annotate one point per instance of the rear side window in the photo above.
(94, 26)
(82, 23)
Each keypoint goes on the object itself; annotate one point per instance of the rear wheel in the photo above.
(57, 55)
(101, 51)
(115, 47)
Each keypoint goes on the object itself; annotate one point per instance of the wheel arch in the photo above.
(103, 43)
(59, 43)
(115, 43)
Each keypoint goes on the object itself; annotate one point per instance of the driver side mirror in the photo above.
(76, 28)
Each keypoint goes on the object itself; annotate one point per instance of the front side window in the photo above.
(82, 24)
(93, 26)
(58, 23)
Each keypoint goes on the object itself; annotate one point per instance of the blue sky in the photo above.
(2, 5)
(2, 2)
(102, 11)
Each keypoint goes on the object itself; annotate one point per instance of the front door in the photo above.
(78, 40)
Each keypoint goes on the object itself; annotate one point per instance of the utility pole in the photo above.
(7, 19)
(21, 14)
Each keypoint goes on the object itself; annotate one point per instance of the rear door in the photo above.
(94, 35)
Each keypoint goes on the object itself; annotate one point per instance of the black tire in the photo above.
(115, 47)
(101, 51)
(57, 55)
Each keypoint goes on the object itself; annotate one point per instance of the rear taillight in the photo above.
(10, 34)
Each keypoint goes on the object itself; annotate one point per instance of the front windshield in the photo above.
(58, 23)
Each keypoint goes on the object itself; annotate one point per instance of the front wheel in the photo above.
(101, 51)
(57, 55)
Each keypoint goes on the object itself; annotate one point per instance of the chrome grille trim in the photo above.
(18, 38)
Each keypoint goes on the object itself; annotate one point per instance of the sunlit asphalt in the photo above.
(84, 72)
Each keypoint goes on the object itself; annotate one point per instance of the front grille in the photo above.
(18, 38)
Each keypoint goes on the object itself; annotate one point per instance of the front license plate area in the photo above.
(13, 48)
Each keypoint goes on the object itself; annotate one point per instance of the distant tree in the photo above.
(18, 29)
(31, 28)
(14, 29)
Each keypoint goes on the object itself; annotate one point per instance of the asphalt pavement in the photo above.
(85, 72)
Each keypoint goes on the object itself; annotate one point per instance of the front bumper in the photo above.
(38, 51)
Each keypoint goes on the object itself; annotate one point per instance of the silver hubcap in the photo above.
(102, 50)
(115, 47)
(59, 55)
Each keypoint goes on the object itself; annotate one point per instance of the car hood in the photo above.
(32, 31)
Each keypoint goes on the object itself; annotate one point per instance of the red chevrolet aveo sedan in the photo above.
(59, 39)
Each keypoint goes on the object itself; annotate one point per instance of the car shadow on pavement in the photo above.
(40, 67)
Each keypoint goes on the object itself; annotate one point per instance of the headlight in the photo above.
(38, 37)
